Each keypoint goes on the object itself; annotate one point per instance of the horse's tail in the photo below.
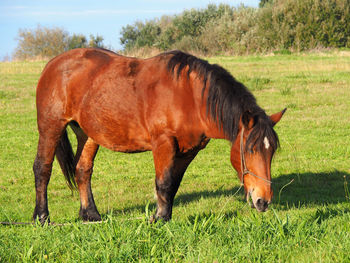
(65, 157)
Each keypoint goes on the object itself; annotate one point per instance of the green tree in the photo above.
(77, 41)
(172, 31)
(129, 35)
(304, 24)
(140, 35)
(265, 2)
(96, 41)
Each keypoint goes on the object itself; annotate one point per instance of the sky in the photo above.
(98, 17)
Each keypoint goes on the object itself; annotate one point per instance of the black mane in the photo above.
(228, 100)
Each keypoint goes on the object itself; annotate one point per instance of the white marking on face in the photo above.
(266, 142)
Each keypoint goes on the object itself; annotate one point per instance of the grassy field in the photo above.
(309, 220)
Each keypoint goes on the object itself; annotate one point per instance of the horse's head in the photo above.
(251, 156)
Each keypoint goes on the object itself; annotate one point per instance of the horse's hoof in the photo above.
(155, 219)
(90, 216)
(42, 220)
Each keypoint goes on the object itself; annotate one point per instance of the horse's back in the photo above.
(105, 93)
(118, 101)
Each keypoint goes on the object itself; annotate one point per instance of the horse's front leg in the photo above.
(170, 166)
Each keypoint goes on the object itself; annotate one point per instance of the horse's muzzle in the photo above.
(261, 205)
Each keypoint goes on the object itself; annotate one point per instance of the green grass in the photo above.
(309, 220)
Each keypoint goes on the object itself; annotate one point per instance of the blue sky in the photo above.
(102, 17)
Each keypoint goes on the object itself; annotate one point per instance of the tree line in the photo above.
(276, 25)
(283, 25)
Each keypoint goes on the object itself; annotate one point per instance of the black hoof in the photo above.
(42, 219)
(155, 218)
(88, 215)
(152, 219)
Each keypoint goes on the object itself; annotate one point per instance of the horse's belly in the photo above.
(122, 142)
(130, 146)
(117, 134)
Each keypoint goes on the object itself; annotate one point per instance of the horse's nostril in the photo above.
(261, 204)
(259, 201)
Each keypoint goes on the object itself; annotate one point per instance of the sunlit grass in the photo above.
(307, 222)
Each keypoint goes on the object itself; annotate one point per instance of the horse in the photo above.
(171, 104)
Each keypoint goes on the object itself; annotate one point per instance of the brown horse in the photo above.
(171, 104)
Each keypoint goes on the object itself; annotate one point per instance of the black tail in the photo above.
(65, 157)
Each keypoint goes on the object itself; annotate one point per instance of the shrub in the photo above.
(293, 25)
(140, 35)
(41, 42)
(45, 42)
(305, 24)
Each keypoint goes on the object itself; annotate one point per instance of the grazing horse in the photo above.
(171, 104)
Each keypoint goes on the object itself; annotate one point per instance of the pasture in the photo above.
(308, 221)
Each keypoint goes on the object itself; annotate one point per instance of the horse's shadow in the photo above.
(309, 188)
(290, 190)
(293, 189)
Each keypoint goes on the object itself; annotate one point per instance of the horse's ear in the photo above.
(277, 116)
(248, 120)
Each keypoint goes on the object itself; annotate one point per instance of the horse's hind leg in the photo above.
(85, 156)
(42, 170)
(83, 172)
